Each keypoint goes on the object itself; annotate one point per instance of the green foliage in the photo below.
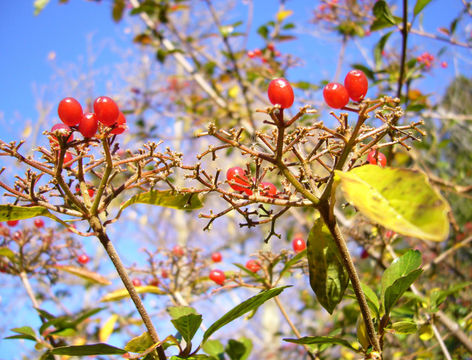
(398, 277)
(140, 343)
(87, 350)
(311, 340)
(328, 277)
(241, 309)
(419, 6)
(399, 199)
(169, 198)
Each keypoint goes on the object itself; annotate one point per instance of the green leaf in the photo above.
(400, 267)
(84, 274)
(118, 9)
(371, 297)
(248, 345)
(168, 198)
(399, 199)
(438, 296)
(14, 212)
(45, 314)
(405, 327)
(236, 350)
(382, 12)
(84, 315)
(263, 31)
(293, 261)
(379, 47)
(187, 325)
(396, 290)
(4, 251)
(176, 312)
(312, 340)
(328, 277)
(39, 6)
(213, 348)
(121, 294)
(25, 337)
(239, 310)
(92, 349)
(25, 330)
(140, 343)
(420, 5)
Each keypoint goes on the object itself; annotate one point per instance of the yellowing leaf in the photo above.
(283, 14)
(426, 332)
(233, 92)
(399, 199)
(84, 274)
(107, 329)
(27, 131)
(167, 198)
(123, 293)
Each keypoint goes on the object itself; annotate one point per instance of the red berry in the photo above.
(154, 282)
(375, 157)
(298, 244)
(83, 259)
(444, 64)
(257, 52)
(216, 257)
(17, 235)
(335, 95)
(235, 175)
(39, 223)
(67, 157)
(69, 111)
(64, 130)
(253, 265)
(106, 109)
(364, 254)
(136, 282)
(389, 234)
(120, 125)
(88, 126)
(164, 274)
(217, 276)
(271, 47)
(178, 251)
(251, 54)
(280, 92)
(12, 222)
(356, 85)
(268, 189)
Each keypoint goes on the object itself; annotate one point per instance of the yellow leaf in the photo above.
(107, 329)
(426, 332)
(233, 92)
(26, 131)
(283, 14)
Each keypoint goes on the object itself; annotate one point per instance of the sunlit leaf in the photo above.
(396, 290)
(92, 349)
(399, 199)
(123, 293)
(140, 343)
(405, 327)
(328, 277)
(283, 14)
(4, 251)
(84, 274)
(187, 325)
(168, 198)
(213, 348)
(420, 5)
(311, 340)
(239, 310)
(39, 5)
(107, 328)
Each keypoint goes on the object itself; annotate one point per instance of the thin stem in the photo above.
(404, 46)
(353, 276)
(120, 268)
(29, 289)
(291, 324)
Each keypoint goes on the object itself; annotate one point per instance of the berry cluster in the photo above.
(264, 55)
(106, 113)
(238, 181)
(355, 87)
